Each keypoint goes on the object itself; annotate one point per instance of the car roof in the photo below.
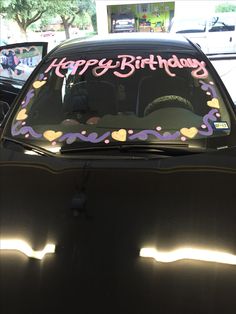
(122, 41)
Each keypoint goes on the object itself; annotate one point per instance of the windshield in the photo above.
(107, 97)
(190, 25)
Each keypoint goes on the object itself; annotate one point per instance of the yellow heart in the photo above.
(22, 115)
(214, 103)
(38, 84)
(51, 135)
(119, 135)
(189, 132)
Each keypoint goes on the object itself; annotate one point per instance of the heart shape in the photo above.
(21, 115)
(51, 135)
(38, 84)
(119, 135)
(214, 103)
(191, 132)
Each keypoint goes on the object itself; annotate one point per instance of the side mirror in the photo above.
(4, 109)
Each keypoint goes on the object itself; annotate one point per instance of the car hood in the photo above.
(100, 215)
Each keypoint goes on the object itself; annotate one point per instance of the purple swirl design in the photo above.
(210, 116)
(27, 99)
(207, 87)
(143, 135)
(24, 130)
(41, 76)
(92, 137)
(19, 128)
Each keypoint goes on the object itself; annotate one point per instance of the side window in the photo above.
(190, 26)
(221, 25)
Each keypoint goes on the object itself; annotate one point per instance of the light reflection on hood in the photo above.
(24, 247)
(189, 253)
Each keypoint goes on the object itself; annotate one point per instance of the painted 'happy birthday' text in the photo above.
(125, 65)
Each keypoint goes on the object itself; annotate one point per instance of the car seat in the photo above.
(90, 99)
(165, 89)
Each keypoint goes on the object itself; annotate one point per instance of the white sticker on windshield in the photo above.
(221, 125)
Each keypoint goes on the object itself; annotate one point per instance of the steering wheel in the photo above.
(168, 101)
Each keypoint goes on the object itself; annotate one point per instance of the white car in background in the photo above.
(214, 34)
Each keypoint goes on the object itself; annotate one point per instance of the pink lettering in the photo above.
(150, 61)
(164, 63)
(202, 69)
(126, 64)
(193, 63)
(137, 62)
(78, 64)
(68, 64)
(105, 66)
(174, 62)
(57, 66)
(184, 63)
(87, 65)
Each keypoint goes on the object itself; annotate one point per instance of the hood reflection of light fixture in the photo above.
(53, 149)
(23, 247)
(189, 253)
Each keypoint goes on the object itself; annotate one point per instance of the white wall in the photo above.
(194, 8)
(102, 20)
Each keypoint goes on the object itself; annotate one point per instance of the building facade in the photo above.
(149, 15)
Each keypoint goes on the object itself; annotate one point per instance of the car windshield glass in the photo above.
(189, 26)
(133, 97)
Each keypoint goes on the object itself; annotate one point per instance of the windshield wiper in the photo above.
(27, 147)
(155, 148)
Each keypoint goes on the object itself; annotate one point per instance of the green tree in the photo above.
(24, 12)
(70, 10)
(27, 12)
(225, 7)
(94, 21)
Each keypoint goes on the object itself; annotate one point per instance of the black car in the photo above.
(117, 167)
(123, 22)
